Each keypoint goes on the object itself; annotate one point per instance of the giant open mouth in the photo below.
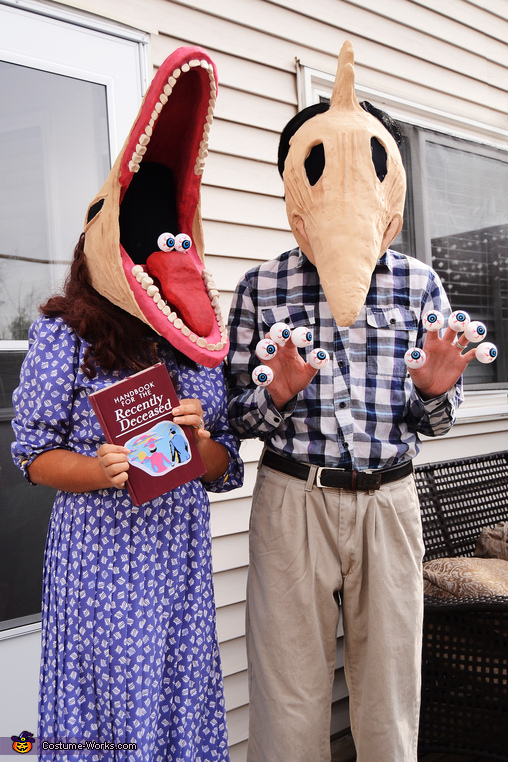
(159, 172)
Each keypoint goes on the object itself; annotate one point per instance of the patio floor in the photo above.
(343, 750)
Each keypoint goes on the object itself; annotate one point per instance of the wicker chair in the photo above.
(465, 641)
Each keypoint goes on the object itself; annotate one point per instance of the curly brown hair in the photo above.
(118, 340)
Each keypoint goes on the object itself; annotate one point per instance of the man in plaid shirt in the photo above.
(335, 517)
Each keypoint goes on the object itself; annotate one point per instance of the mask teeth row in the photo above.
(146, 282)
(144, 138)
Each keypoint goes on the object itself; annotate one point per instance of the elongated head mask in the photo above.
(143, 234)
(345, 187)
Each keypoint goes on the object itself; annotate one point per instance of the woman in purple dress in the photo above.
(130, 655)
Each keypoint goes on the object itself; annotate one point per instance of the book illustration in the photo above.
(160, 449)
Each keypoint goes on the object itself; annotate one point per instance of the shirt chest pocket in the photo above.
(391, 332)
(292, 315)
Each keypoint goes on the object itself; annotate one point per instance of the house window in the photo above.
(70, 87)
(456, 213)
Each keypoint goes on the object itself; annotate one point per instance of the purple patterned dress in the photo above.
(129, 645)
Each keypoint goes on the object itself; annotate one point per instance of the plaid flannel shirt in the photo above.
(362, 410)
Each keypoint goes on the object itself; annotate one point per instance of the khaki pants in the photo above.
(310, 547)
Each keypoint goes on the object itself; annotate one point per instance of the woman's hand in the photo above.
(114, 464)
(189, 412)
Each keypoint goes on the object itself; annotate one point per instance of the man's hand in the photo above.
(291, 374)
(445, 363)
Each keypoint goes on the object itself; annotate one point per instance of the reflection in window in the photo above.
(468, 226)
(54, 154)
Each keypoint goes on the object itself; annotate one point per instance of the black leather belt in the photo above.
(337, 477)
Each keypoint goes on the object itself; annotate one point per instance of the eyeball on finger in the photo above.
(280, 333)
(262, 375)
(475, 331)
(266, 349)
(415, 358)
(318, 358)
(301, 336)
(459, 320)
(486, 352)
(433, 320)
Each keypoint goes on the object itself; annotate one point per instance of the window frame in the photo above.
(64, 49)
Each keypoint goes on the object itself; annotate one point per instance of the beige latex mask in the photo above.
(344, 215)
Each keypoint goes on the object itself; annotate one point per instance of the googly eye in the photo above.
(301, 337)
(262, 375)
(318, 358)
(182, 242)
(475, 331)
(433, 320)
(415, 358)
(486, 352)
(459, 320)
(266, 349)
(166, 242)
(280, 333)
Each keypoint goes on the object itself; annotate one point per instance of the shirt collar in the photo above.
(385, 261)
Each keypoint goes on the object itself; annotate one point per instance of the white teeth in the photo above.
(161, 304)
(185, 67)
(205, 64)
(133, 167)
(163, 98)
(137, 269)
(140, 149)
(147, 281)
(144, 140)
(156, 297)
(172, 317)
(152, 290)
(179, 324)
(158, 107)
(155, 113)
(140, 275)
(166, 310)
(148, 131)
(185, 330)
(201, 342)
(176, 74)
(168, 89)
(193, 337)
(193, 64)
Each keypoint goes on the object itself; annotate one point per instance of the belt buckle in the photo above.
(318, 476)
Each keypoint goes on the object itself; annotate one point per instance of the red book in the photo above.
(136, 413)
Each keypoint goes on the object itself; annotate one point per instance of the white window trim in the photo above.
(313, 83)
(479, 406)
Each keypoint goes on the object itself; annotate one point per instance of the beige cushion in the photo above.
(451, 578)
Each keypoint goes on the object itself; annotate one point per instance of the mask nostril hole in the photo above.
(315, 163)
(379, 158)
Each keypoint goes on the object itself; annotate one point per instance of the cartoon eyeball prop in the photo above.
(301, 337)
(280, 333)
(459, 320)
(415, 358)
(318, 358)
(182, 242)
(486, 352)
(433, 320)
(166, 242)
(262, 375)
(475, 331)
(266, 349)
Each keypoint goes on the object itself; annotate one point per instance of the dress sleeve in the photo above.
(221, 432)
(43, 400)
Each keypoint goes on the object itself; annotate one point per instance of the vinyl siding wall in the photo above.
(451, 57)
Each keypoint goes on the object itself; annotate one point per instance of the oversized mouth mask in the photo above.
(143, 233)
(345, 187)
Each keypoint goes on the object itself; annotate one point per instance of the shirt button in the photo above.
(392, 321)
(276, 420)
(346, 446)
(343, 404)
(341, 363)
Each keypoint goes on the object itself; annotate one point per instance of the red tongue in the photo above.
(183, 289)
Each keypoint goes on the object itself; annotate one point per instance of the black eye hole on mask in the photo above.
(315, 163)
(379, 157)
